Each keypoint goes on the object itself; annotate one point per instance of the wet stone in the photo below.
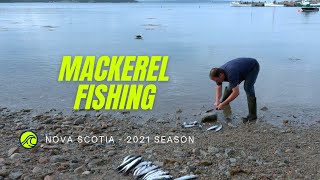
(86, 172)
(233, 160)
(79, 170)
(49, 178)
(15, 156)
(4, 172)
(12, 151)
(79, 120)
(36, 170)
(213, 150)
(15, 175)
(57, 158)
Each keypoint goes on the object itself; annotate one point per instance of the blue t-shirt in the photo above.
(237, 70)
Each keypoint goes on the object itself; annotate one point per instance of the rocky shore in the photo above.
(248, 151)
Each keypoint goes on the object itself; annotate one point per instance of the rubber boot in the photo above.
(227, 112)
(252, 106)
(226, 93)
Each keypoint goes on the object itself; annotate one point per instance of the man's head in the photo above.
(217, 75)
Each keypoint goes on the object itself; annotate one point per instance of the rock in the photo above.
(15, 156)
(163, 121)
(251, 158)
(2, 126)
(26, 177)
(259, 162)
(209, 117)
(4, 172)
(111, 153)
(86, 172)
(278, 152)
(282, 164)
(236, 170)
(79, 170)
(286, 160)
(233, 160)
(15, 175)
(36, 170)
(63, 166)
(218, 155)
(203, 153)
(26, 110)
(158, 163)
(228, 152)
(288, 151)
(43, 160)
(12, 150)
(213, 150)
(2, 160)
(49, 177)
(79, 120)
(206, 163)
(125, 112)
(243, 154)
(57, 158)
(178, 153)
(264, 108)
(196, 151)
(73, 166)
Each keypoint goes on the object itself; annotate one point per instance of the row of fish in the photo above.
(195, 124)
(146, 170)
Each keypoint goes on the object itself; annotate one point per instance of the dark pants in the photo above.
(250, 81)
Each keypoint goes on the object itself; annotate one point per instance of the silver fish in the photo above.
(143, 163)
(127, 157)
(188, 126)
(219, 128)
(156, 174)
(148, 169)
(155, 171)
(131, 165)
(212, 127)
(126, 162)
(139, 170)
(187, 177)
(163, 177)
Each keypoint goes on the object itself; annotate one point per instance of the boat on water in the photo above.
(315, 5)
(310, 9)
(240, 4)
(308, 4)
(271, 4)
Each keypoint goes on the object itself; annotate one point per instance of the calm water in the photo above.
(34, 37)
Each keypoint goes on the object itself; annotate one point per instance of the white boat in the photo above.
(315, 5)
(271, 4)
(239, 4)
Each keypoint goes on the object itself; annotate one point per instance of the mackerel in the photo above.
(187, 177)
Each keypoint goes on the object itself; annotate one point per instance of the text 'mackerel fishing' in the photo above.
(105, 69)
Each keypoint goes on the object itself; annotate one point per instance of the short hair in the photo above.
(215, 72)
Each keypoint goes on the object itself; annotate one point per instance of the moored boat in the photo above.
(240, 4)
(310, 9)
(271, 4)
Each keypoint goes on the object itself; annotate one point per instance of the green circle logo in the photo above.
(28, 139)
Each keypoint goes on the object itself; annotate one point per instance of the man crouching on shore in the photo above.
(234, 72)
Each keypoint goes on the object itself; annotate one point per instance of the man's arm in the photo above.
(218, 95)
(235, 93)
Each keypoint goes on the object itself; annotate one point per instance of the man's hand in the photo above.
(216, 104)
(221, 106)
